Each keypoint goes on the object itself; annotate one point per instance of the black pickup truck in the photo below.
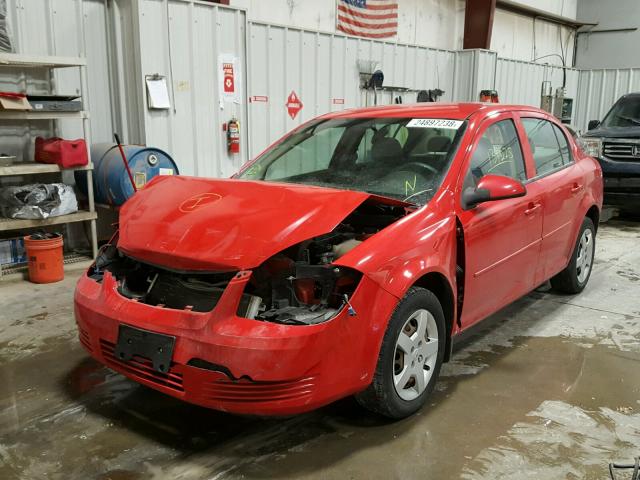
(615, 142)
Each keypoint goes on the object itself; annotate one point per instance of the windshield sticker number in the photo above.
(434, 123)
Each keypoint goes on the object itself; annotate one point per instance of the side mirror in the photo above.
(491, 188)
(593, 124)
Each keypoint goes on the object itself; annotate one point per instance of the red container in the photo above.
(65, 153)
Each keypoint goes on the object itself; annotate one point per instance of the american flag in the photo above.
(368, 18)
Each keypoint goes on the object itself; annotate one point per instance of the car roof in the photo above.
(454, 111)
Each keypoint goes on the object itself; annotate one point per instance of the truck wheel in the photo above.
(574, 278)
(410, 357)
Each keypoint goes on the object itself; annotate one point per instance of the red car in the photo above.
(343, 260)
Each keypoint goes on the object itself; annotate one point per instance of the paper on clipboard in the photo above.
(158, 93)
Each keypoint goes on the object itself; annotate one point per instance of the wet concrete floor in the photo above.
(547, 389)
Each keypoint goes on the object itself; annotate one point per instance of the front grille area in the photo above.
(213, 391)
(622, 151)
(85, 339)
(142, 368)
(255, 392)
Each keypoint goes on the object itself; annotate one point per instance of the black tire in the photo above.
(568, 281)
(381, 395)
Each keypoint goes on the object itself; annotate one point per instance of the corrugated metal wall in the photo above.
(599, 89)
(322, 69)
(521, 82)
(181, 40)
(475, 70)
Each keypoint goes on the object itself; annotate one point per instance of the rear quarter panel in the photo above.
(594, 188)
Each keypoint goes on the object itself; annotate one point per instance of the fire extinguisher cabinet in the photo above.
(111, 183)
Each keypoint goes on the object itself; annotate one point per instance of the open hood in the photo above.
(196, 224)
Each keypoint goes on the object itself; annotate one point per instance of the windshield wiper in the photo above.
(629, 119)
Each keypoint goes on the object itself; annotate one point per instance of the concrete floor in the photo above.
(548, 389)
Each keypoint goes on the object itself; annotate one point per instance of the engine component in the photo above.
(345, 247)
(300, 315)
(301, 285)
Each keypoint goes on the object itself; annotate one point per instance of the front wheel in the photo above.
(410, 357)
(574, 278)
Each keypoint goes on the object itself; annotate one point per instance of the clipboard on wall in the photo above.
(157, 92)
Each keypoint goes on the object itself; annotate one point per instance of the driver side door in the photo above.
(502, 238)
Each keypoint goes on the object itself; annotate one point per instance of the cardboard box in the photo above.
(14, 101)
(12, 251)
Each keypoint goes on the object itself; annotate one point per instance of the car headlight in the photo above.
(591, 146)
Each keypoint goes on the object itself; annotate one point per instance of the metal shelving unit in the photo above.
(19, 224)
(21, 62)
(31, 168)
(33, 115)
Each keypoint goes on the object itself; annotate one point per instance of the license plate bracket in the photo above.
(154, 346)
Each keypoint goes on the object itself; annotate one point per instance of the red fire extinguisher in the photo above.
(233, 136)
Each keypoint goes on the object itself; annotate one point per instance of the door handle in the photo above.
(532, 208)
(576, 188)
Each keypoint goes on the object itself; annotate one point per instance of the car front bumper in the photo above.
(621, 183)
(235, 364)
(623, 192)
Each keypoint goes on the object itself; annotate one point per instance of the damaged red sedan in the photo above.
(343, 260)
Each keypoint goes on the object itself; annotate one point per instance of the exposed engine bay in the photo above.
(299, 285)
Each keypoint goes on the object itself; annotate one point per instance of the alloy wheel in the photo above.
(415, 355)
(585, 256)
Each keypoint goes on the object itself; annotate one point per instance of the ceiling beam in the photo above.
(478, 23)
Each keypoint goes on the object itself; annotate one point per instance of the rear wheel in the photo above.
(574, 278)
(410, 357)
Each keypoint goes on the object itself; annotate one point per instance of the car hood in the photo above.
(614, 132)
(196, 224)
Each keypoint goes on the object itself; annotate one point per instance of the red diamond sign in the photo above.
(294, 104)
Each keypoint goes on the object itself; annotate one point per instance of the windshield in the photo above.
(625, 113)
(403, 158)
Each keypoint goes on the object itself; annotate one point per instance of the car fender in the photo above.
(420, 243)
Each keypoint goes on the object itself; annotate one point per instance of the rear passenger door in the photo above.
(560, 178)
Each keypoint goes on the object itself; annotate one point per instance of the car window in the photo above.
(404, 158)
(549, 146)
(377, 132)
(564, 144)
(625, 113)
(498, 152)
(312, 155)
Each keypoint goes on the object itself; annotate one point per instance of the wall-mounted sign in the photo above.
(338, 101)
(228, 78)
(259, 98)
(294, 104)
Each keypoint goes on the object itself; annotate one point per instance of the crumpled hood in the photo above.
(197, 224)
